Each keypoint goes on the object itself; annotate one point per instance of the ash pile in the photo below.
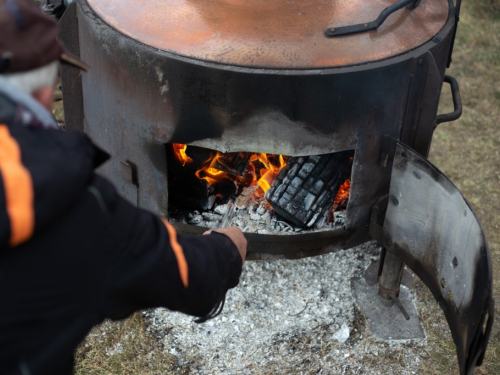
(257, 192)
(289, 317)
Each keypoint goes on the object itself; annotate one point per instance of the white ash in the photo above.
(211, 216)
(283, 318)
(342, 335)
(254, 215)
(221, 209)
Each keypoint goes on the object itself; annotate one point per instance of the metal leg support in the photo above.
(390, 280)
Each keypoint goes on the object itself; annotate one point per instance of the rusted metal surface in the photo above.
(72, 88)
(273, 34)
(431, 227)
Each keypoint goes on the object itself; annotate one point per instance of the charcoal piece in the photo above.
(190, 194)
(224, 189)
(304, 190)
(234, 163)
(199, 155)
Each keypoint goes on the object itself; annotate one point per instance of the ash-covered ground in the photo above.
(288, 316)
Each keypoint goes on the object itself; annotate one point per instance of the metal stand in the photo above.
(388, 322)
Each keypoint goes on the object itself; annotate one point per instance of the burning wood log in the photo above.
(191, 180)
(304, 190)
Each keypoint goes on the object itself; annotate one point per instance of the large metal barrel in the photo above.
(260, 76)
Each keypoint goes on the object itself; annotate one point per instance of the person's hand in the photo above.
(236, 235)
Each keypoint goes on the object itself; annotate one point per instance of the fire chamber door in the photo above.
(428, 223)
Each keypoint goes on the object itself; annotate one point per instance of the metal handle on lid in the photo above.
(373, 25)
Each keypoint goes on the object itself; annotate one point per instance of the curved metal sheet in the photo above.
(432, 227)
(273, 34)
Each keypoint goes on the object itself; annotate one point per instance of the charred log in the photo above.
(186, 191)
(304, 190)
(224, 190)
(234, 163)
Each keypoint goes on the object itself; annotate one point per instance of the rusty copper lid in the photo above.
(273, 33)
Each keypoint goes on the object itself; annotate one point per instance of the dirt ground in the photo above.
(467, 151)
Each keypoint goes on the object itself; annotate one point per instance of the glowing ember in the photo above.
(180, 152)
(343, 193)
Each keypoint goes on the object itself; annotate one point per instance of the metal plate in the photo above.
(273, 34)
(432, 227)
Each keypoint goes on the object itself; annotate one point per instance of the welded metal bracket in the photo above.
(427, 222)
(373, 25)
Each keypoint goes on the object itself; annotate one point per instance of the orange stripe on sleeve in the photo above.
(18, 186)
(179, 253)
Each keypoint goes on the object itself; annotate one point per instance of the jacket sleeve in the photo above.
(153, 266)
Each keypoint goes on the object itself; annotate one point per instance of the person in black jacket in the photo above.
(72, 251)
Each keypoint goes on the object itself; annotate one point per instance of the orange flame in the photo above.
(180, 152)
(270, 170)
(210, 174)
(269, 166)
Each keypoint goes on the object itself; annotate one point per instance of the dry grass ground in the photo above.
(467, 151)
(124, 347)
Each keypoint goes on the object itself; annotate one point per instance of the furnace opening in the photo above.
(258, 192)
